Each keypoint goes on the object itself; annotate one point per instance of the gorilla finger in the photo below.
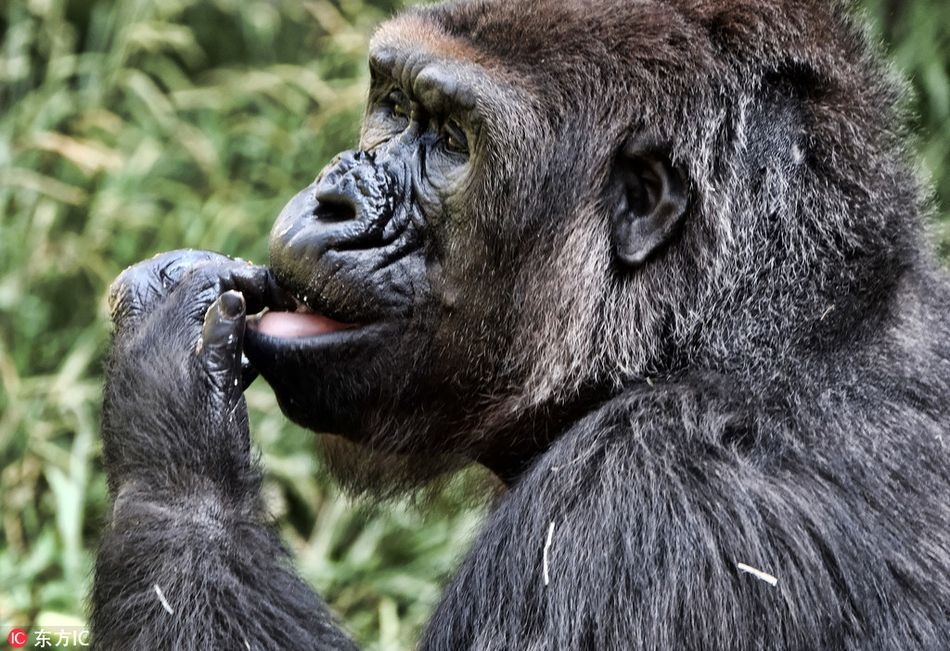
(259, 287)
(141, 287)
(222, 342)
(174, 266)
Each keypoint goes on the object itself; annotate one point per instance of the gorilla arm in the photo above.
(189, 560)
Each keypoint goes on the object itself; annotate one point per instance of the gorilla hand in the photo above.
(174, 398)
(142, 287)
(187, 515)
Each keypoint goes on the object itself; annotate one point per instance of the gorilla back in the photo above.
(659, 265)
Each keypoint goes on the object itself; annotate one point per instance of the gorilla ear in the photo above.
(649, 202)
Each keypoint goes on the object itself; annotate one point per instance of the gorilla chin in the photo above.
(332, 364)
(339, 379)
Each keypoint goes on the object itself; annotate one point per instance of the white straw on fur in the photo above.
(547, 548)
(759, 574)
(163, 600)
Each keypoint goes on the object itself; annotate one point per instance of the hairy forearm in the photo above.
(190, 559)
(195, 571)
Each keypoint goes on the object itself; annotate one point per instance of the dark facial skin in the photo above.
(359, 246)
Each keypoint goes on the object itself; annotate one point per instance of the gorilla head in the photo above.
(549, 202)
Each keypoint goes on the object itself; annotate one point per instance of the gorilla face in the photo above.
(363, 251)
(433, 268)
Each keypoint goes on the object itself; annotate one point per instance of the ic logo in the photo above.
(17, 638)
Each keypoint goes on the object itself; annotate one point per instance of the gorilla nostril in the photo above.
(334, 208)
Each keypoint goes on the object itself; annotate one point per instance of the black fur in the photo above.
(771, 389)
(188, 532)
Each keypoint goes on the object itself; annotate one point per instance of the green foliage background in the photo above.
(136, 126)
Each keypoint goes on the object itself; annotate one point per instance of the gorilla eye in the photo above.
(398, 105)
(454, 138)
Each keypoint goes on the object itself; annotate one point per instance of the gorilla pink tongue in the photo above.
(289, 325)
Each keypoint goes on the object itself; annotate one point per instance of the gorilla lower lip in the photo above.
(292, 325)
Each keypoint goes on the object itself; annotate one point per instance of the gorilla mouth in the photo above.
(293, 325)
(301, 323)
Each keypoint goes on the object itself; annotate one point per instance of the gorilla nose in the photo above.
(350, 188)
(350, 205)
(337, 193)
(333, 206)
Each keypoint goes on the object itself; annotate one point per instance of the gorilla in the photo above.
(661, 266)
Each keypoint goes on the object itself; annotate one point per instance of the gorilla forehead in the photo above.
(416, 51)
(538, 47)
(682, 40)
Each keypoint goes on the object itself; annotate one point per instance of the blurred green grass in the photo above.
(132, 127)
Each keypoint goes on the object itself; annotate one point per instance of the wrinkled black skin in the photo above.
(351, 246)
(788, 402)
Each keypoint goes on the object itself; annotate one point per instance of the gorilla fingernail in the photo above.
(231, 304)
